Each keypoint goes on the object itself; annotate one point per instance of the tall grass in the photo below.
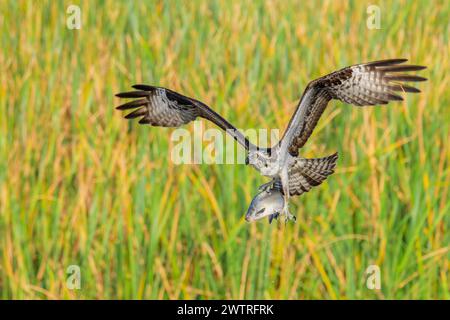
(81, 186)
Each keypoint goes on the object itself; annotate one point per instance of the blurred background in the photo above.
(80, 186)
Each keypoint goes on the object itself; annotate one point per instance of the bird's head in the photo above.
(259, 159)
(262, 161)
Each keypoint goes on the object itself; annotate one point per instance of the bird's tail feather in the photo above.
(308, 173)
(319, 168)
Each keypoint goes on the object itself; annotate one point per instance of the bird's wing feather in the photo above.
(365, 84)
(307, 173)
(162, 107)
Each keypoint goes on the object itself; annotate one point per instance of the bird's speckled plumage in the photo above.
(307, 173)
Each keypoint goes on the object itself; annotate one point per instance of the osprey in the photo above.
(367, 84)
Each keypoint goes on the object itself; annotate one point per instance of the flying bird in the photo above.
(367, 84)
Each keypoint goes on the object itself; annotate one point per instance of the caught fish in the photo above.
(267, 203)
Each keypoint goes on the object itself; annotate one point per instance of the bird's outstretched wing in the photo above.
(162, 107)
(365, 84)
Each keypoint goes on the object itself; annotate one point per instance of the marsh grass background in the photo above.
(79, 185)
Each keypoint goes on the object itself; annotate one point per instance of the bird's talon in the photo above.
(288, 216)
(266, 186)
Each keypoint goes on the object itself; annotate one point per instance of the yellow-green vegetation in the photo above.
(79, 185)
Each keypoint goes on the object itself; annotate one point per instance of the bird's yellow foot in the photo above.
(287, 215)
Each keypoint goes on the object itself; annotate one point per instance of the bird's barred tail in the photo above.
(308, 173)
(319, 168)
